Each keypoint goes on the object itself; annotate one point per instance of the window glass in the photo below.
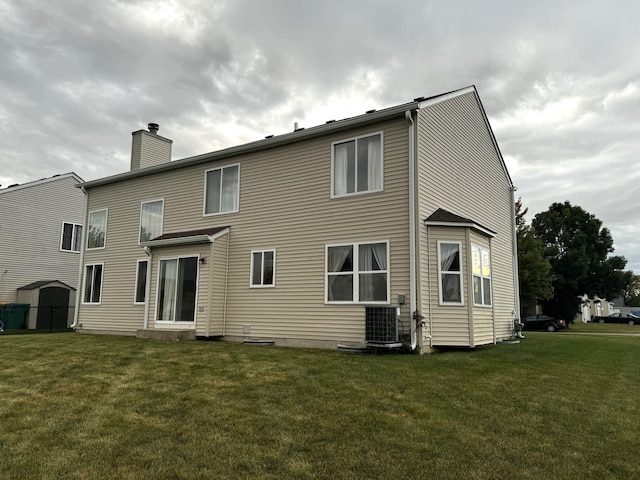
(71, 237)
(481, 276)
(221, 190)
(357, 273)
(357, 165)
(151, 220)
(141, 281)
(97, 229)
(450, 273)
(263, 268)
(92, 283)
(177, 289)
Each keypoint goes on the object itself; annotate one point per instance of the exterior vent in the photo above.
(381, 325)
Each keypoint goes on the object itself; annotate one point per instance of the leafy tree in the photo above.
(578, 247)
(534, 269)
(632, 290)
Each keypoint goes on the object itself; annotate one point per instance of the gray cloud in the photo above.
(559, 82)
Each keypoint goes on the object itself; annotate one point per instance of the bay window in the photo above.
(481, 262)
(450, 273)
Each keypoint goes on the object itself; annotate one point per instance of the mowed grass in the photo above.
(84, 406)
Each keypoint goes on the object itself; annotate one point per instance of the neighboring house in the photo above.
(41, 239)
(595, 307)
(319, 237)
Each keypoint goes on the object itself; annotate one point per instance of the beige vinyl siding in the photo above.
(218, 272)
(31, 218)
(460, 170)
(285, 205)
(148, 150)
(450, 323)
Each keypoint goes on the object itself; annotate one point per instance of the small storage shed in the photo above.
(51, 303)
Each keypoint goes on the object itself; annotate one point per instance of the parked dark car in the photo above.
(543, 322)
(628, 318)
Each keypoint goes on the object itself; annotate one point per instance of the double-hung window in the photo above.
(92, 290)
(450, 270)
(263, 268)
(141, 281)
(221, 190)
(357, 165)
(481, 276)
(357, 273)
(97, 232)
(151, 220)
(71, 237)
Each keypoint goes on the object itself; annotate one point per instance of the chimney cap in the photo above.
(153, 128)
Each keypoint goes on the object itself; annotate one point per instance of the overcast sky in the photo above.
(559, 80)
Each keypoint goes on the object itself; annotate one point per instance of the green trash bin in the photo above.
(14, 315)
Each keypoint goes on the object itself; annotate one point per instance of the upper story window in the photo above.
(221, 190)
(151, 220)
(481, 276)
(357, 165)
(263, 268)
(97, 233)
(357, 273)
(71, 237)
(450, 269)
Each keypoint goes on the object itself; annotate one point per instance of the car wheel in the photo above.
(601, 320)
(631, 322)
(551, 328)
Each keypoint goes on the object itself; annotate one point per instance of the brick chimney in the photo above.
(149, 149)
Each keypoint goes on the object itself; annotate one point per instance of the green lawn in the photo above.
(83, 406)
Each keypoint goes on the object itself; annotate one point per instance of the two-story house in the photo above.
(40, 243)
(396, 225)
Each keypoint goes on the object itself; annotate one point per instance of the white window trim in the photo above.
(157, 296)
(333, 149)
(460, 273)
(140, 222)
(204, 197)
(73, 230)
(135, 285)
(482, 277)
(263, 251)
(84, 282)
(356, 274)
(106, 223)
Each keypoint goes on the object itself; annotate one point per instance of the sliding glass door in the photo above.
(177, 289)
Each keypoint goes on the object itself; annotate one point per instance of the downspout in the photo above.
(76, 311)
(147, 288)
(412, 228)
(516, 273)
(226, 288)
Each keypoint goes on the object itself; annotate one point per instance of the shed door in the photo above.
(53, 308)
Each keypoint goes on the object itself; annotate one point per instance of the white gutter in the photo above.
(79, 291)
(516, 273)
(412, 229)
